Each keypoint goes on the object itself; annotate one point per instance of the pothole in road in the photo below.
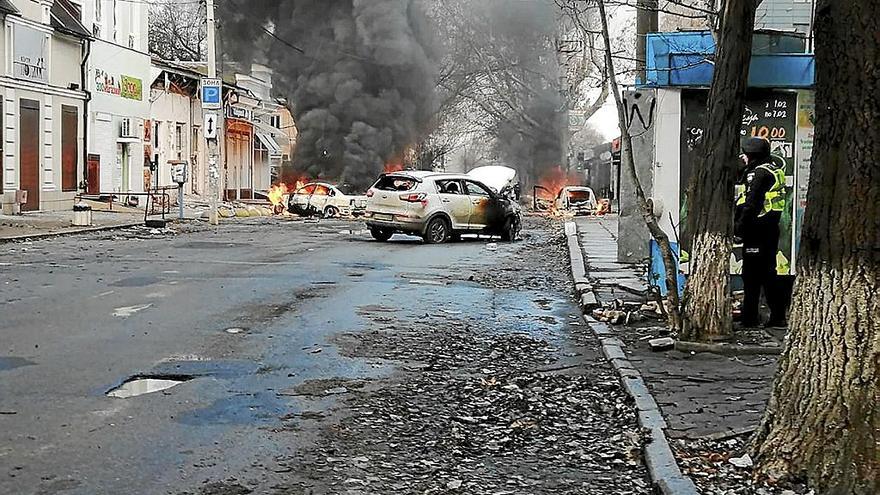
(142, 385)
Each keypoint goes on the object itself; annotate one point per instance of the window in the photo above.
(449, 186)
(1, 144)
(156, 129)
(322, 191)
(396, 183)
(178, 137)
(99, 10)
(474, 189)
(275, 121)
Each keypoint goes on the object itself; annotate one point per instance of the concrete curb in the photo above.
(662, 467)
(84, 230)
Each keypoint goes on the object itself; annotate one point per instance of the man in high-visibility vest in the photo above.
(759, 205)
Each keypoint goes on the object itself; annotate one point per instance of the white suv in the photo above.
(439, 207)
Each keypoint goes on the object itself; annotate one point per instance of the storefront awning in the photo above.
(270, 143)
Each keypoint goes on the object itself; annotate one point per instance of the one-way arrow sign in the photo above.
(210, 126)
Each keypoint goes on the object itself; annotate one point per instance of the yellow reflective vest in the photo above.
(774, 200)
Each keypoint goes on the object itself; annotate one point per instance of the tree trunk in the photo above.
(628, 163)
(823, 419)
(707, 305)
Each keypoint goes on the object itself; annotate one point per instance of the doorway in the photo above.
(29, 157)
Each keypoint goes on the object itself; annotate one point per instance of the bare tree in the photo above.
(178, 31)
(628, 164)
(823, 419)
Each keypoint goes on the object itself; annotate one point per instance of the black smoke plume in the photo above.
(359, 76)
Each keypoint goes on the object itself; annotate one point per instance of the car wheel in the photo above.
(331, 212)
(508, 233)
(437, 231)
(381, 235)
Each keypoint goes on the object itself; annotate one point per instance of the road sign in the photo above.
(210, 125)
(212, 93)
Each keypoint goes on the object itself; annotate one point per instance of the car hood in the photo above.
(497, 177)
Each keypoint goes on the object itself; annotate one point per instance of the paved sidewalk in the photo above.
(61, 222)
(701, 395)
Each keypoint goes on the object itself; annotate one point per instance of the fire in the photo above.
(276, 194)
(551, 184)
(394, 165)
(555, 179)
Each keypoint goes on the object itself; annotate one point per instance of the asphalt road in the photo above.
(250, 316)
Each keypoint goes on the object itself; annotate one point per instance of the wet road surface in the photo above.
(288, 357)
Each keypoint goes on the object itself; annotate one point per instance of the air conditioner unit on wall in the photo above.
(128, 128)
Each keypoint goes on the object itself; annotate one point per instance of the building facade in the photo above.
(118, 80)
(786, 15)
(174, 130)
(42, 103)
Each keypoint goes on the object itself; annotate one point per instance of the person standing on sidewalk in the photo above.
(759, 205)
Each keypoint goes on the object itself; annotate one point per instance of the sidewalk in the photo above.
(37, 224)
(711, 403)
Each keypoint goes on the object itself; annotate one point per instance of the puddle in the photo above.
(136, 386)
(10, 363)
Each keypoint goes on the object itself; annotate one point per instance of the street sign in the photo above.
(212, 93)
(210, 125)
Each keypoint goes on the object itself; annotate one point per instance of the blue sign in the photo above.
(211, 93)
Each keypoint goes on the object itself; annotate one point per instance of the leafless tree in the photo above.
(178, 31)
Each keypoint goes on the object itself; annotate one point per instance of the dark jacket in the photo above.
(748, 226)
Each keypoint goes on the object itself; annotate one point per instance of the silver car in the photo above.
(439, 207)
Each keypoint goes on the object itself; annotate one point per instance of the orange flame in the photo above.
(276, 194)
(394, 165)
(555, 179)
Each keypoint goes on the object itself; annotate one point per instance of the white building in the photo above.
(176, 126)
(118, 79)
(41, 102)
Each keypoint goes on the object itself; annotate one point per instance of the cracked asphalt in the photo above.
(316, 361)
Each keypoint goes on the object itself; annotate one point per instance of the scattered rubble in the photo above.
(475, 408)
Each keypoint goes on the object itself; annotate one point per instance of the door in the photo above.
(69, 147)
(455, 202)
(482, 205)
(93, 175)
(126, 162)
(29, 157)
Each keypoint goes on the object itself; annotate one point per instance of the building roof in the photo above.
(6, 7)
(65, 21)
(686, 59)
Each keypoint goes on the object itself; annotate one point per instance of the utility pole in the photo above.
(646, 22)
(213, 147)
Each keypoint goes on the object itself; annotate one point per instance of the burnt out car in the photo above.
(441, 207)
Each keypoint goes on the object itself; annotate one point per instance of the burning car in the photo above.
(327, 200)
(439, 207)
(579, 200)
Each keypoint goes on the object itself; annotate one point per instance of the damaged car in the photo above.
(327, 200)
(440, 207)
(577, 200)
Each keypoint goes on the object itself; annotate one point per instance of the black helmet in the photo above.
(756, 146)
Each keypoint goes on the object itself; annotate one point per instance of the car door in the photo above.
(483, 206)
(320, 198)
(455, 202)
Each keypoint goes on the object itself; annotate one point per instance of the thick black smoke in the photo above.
(362, 91)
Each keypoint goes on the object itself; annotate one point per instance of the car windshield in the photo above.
(396, 183)
(579, 195)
